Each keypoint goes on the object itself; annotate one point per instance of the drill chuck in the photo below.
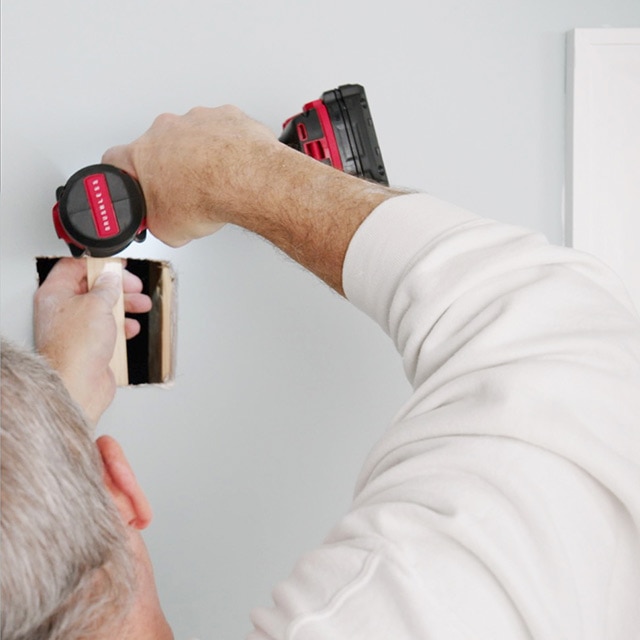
(100, 211)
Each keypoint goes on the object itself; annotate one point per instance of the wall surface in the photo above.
(281, 386)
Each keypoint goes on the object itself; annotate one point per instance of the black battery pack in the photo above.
(338, 130)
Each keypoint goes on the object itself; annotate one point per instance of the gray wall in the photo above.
(281, 387)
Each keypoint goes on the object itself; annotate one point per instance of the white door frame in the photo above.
(602, 208)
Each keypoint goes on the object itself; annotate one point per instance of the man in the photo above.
(73, 562)
(504, 501)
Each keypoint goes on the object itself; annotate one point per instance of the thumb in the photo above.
(108, 286)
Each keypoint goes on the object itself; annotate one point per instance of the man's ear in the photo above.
(121, 483)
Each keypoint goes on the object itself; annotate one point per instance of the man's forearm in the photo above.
(311, 211)
(225, 167)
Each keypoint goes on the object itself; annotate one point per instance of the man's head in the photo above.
(66, 560)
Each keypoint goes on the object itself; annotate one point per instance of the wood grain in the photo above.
(118, 364)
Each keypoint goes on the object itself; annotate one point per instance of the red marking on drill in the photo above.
(328, 146)
(104, 215)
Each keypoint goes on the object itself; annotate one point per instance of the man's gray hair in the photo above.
(66, 569)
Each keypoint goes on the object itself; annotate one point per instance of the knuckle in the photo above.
(198, 111)
(164, 119)
(230, 110)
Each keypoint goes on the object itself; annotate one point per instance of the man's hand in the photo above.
(75, 329)
(213, 166)
(199, 170)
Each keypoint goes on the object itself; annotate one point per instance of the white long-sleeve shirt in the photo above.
(504, 500)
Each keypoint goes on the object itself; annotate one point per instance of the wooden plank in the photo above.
(168, 323)
(162, 322)
(118, 364)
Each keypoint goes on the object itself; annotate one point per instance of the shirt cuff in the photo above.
(385, 244)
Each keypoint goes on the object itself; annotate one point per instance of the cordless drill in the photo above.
(101, 209)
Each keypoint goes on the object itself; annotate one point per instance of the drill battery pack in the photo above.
(338, 130)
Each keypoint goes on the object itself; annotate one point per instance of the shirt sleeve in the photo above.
(504, 500)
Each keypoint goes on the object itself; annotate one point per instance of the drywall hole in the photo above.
(151, 354)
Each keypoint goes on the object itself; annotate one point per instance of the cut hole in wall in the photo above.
(151, 354)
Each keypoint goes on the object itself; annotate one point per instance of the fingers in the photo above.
(134, 300)
(131, 328)
(137, 303)
(131, 283)
(108, 287)
(68, 275)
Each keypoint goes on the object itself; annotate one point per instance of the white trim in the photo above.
(603, 148)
